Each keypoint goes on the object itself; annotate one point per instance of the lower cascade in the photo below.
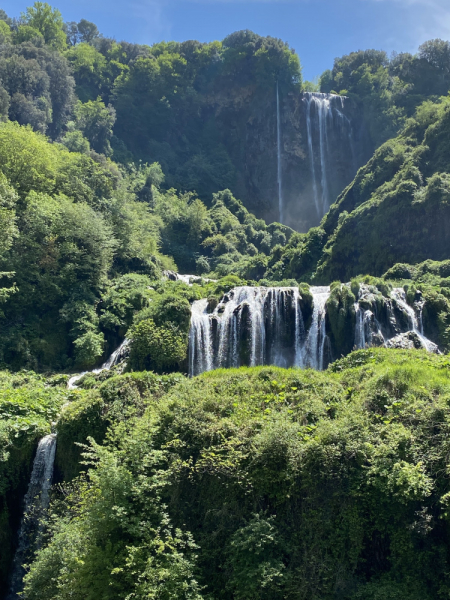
(257, 326)
(254, 326)
(37, 500)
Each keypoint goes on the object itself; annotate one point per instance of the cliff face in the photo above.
(322, 142)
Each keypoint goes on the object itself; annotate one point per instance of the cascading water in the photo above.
(37, 500)
(360, 334)
(324, 113)
(258, 326)
(279, 175)
(250, 326)
(265, 326)
(313, 350)
(116, 357)
(187, 279)
(393, 332)
(200, 350)
(398, 294)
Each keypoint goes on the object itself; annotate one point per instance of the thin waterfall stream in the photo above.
(116, 357)
(36, 503)
(279, 174)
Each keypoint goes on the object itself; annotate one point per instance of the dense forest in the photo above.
(125, 167)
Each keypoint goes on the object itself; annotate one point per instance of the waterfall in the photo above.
(323, 112)
(360, 336)
(252, 326)
(200, 350)
(367, 327)
(314, 347)
(311, 155)
(415, 325)
(36, 501)
(116, 357)
(279, 176)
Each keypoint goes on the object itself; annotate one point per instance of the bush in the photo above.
(158, 348)
(88, 349)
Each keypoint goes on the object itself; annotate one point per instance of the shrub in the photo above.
(154, 347)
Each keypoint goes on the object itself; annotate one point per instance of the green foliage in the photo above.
(48, 22)
(176, 83)
(5, 33)
(88, 349)
(89, 68)
(26, 33)
(267, 483)
(389, 90)
(169, 307)
(159, 347)
(96, 121)
(341, 318)
(37, 86)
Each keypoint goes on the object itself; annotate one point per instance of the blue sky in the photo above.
(319, 30)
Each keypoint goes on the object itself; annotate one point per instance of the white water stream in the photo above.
(36, 503)
(115, 358)
(279, 174)
(323, 112)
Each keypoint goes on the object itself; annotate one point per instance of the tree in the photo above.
(26, 33)
(84, 31)
(96, 122)
(88, 31)
(156, 347)
(49, 22)
(43, 80)
(8, 201)
(89, 67)
(436, 52)
(5, 33)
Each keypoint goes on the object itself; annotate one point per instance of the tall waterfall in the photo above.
(279, 174)
(324, 113)
(37, 500)
(257, 326)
